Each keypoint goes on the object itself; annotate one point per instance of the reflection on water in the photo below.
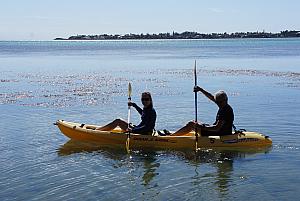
(221, 159)
(150, 165)
(116, 153)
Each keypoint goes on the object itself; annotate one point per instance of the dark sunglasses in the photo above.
(145, 99)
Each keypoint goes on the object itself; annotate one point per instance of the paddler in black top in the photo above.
(148, 116)
(224, 118)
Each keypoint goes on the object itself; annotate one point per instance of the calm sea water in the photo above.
(86, 81)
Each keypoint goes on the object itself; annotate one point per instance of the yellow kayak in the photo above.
(87, 133)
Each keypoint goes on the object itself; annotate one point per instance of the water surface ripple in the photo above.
(81, 81)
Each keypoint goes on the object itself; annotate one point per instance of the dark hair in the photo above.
(150, 97)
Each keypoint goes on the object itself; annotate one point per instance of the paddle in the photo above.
(128, 120)
(196, 108)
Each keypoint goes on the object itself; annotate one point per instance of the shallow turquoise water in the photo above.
(87, 82)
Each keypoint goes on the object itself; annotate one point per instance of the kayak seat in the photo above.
(91, 127)
(164, 132)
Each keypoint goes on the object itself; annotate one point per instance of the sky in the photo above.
(48, 19)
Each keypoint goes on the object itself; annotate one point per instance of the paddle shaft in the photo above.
(129, 114)
(196, 108)
(129, 107)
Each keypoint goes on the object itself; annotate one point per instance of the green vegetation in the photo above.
(185, 35)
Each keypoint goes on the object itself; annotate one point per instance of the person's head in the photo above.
(221, 98)
(146, 99)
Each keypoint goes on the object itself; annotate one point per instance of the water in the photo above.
(86, 81)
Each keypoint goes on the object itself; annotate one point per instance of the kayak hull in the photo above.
(87, 133)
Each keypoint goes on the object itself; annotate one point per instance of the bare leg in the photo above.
(117, 122)
(186, 129)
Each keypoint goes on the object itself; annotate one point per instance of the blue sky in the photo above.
(47, 19)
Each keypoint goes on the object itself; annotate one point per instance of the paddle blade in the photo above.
(128, 145)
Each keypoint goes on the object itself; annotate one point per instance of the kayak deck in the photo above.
(88, 133)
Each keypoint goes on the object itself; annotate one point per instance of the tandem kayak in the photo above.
(87, 133)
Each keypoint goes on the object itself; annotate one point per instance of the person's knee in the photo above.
(117, 120)
(190, 124)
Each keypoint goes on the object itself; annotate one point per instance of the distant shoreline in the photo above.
(186, 35)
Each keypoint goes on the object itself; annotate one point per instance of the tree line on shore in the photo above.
(186, 35)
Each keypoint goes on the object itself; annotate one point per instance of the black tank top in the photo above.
(226, 114)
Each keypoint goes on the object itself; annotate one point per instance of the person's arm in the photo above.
(206, 93)
(140, 110)
(215, 127)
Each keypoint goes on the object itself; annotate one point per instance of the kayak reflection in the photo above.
(118, 154)
(222, 161)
